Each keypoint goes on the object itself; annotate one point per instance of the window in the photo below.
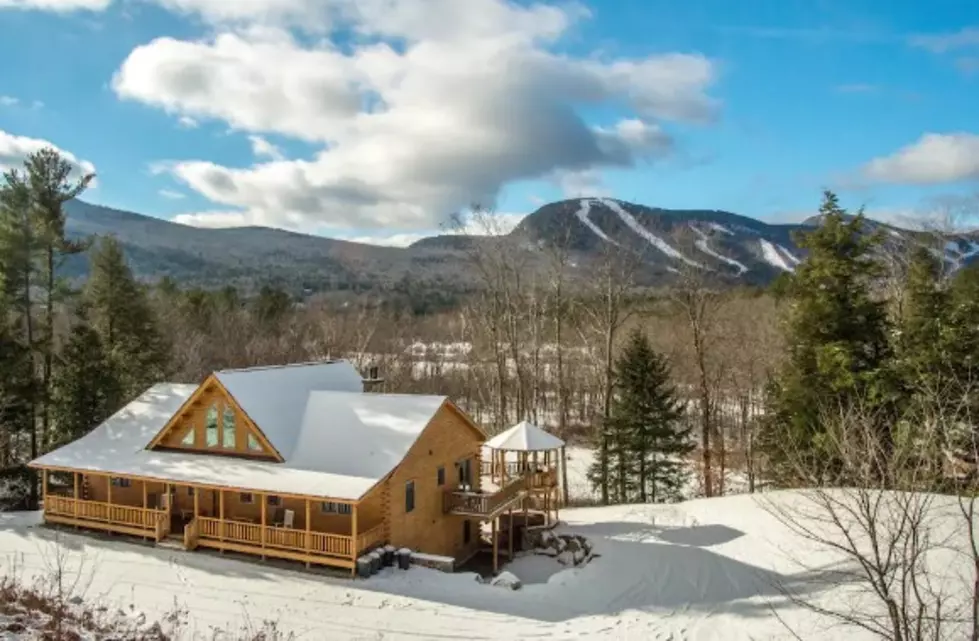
(246, 498)
(120, 482)
(228, 428)
(329, 507)
(188, 437)
(465, 472)
(409, 496)
(274, 501)
(467, 531)
(440, 475)
(190, 491)
(253, 443)
(212, 426)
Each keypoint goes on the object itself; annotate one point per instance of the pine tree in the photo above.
(17, 390)
(838, 352)
(923, 357)
(51, 181)
(648, 437)
(85, 388)
(120, 313)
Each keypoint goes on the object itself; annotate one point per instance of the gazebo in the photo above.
(527, 452)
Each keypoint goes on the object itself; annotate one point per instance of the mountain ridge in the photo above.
(733, 247)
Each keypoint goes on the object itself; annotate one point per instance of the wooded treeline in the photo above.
(542, 347)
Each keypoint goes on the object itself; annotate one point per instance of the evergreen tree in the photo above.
(923, 357)
(648, 438)
(51, 180)
(120, 313)
(838, 352)
(85, 388)
(17, 390)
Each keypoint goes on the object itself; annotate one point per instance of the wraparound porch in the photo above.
(302, 529)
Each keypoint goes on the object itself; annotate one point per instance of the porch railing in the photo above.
(154, 521)
(481, 503)
(370, 539)
(293, 540)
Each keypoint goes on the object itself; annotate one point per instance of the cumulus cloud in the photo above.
(57, 6)
(413, 120)
(15, 149)
(932, 159)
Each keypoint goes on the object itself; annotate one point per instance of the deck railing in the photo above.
(481, 503)
(153, 521)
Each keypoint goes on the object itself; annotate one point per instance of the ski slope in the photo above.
(582, 215)
(702, 244)
(772, 257)
(709, 569)
(650, 237)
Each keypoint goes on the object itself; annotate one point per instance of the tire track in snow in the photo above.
(703, 246)
(650, 237)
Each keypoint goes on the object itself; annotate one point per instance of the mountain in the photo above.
(732, 247)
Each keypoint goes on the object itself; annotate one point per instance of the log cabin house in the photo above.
(294, 462)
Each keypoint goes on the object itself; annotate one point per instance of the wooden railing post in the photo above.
(354, 544)
(308, 537)
(264, 500)
(74, 478)
(221, 516)
(108, 499)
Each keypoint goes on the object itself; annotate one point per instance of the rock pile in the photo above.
(568, 549)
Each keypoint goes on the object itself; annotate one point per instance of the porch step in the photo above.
(171, 544)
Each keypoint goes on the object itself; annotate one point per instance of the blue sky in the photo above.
(376, 122)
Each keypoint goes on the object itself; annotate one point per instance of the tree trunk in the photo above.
(48, 349)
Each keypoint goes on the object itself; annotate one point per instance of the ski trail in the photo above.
(772, 257)
(582, 215)
(703, 246)
(790, 255)
(720, 228)
(651, 238)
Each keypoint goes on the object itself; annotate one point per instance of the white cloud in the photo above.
(932, 159)
(416, 119)
(171, 194)
(15, 149)
(262, 148)
(943, 42)
(214, 219)
(584, 183)
(187, 122)
(8, 101)
(58, 6)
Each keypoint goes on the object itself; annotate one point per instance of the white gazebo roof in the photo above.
(525, 437)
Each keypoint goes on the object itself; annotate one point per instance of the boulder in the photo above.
(506, 580)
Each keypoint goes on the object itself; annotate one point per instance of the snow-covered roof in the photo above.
(525, 437)
(275, 397)
(344, 443)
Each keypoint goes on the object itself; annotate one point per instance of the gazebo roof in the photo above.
(525, 437)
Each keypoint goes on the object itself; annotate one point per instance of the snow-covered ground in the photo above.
(705, 569)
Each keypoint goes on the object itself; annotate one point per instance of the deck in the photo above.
(490, 504)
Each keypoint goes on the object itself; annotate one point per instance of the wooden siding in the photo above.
(448, 439)
(193, 417)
